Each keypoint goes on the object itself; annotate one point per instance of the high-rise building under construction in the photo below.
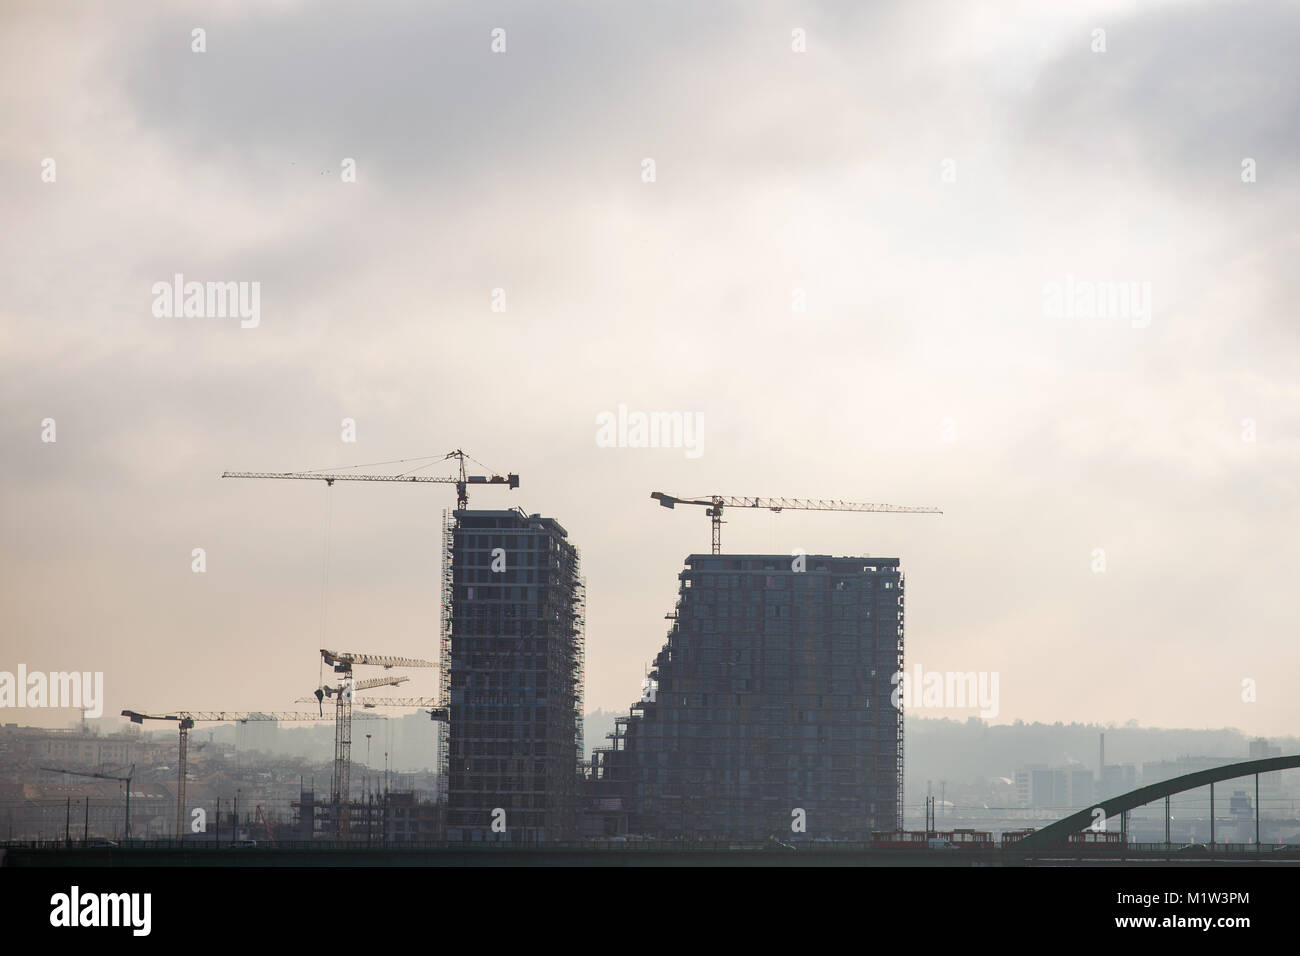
(515, 610)
(770, 710)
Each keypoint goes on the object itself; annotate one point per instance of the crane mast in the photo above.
(342, 662)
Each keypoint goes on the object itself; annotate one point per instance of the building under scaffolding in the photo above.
(391, 817)
(771, 696)
(516, 648)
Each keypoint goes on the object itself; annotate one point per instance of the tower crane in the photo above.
(372, 702)
(461, 480)
(342, 662)
(369, 703)
(328, 691)
(716, 503)
(185, 720)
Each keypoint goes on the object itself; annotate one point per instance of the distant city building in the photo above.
(770, 705)
(403, 818)
(1270, 784)
(1155, 771)
(259, 735)
(1117, 778)
(75, 750)
(1261, 749)
(1069, 787)
(1241, 811)
(516, 675)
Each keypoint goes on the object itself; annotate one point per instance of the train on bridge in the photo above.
(975, 840)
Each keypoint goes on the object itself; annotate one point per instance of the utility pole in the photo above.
(102, 776)
(67, 824)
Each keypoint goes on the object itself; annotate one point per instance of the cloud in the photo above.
(776, 171)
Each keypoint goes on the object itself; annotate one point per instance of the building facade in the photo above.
(1057, 788)
(1270, 784)
(516, 676)
(75, 750)
(771, 710)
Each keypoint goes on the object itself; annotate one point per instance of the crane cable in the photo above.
(372, 464)
(325, 563)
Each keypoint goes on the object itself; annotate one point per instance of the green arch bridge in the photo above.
(1059, 831)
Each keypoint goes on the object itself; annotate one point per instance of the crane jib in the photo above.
(714, 506)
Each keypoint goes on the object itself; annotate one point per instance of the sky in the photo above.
(830, 233)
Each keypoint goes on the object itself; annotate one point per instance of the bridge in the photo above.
(1059, 831)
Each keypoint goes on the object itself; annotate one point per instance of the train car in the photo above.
(1012, 837)
(898, 839)
(1101, 840)
(1085, 840)
(967, 839)
(963, 839)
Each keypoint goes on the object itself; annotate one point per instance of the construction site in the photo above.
(517, 646)
(767, 712)
(768, 705)
(772, 718)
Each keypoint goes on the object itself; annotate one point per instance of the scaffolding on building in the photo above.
(580, 662)
(517, 659)
(771, 695)
(445, 596)
(899, 717)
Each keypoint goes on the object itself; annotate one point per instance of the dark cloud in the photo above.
(1181, 95)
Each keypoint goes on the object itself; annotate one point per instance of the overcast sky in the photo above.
(921, 174)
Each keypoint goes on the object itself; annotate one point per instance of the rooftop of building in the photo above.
(477, 518)
(780, 562)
